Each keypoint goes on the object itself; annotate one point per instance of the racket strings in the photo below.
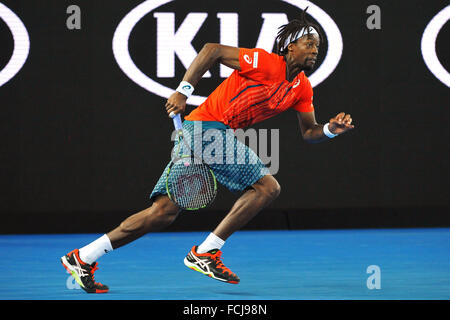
(187, 145)
(191, 185)
(190, 182)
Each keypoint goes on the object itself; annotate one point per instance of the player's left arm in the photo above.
(312, 132)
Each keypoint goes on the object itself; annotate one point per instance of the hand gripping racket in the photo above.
(190, 182)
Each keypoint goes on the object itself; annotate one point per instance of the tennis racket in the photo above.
(190, 182)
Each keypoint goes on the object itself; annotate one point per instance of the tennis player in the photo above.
(261, 86)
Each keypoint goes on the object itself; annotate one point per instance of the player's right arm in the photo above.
(206, 58)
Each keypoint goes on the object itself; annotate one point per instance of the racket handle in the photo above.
(177, 122)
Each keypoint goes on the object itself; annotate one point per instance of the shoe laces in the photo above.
(219, 263)
(94, 267)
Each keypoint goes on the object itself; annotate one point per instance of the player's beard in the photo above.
(308, 65)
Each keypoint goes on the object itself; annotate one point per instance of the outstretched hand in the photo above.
(340, 124)
(176, 103)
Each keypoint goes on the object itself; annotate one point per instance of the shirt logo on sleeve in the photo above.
(296, 84)
(248, 59)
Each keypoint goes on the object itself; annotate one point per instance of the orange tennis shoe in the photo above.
(83, 272)
(210, 264)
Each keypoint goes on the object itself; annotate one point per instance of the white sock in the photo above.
(211, 242)
(95, 249)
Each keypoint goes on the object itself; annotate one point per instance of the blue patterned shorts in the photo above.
(235, 165)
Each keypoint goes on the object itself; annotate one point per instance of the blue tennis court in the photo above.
(272, 265)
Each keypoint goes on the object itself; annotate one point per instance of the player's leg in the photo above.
(206, 257)
(82, 263)
(155, 218)
(240, 170)
(260, 195)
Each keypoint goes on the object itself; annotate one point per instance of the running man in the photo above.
(261, 86)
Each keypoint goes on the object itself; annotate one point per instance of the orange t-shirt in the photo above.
(257, 92)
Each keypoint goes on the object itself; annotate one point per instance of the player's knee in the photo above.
(270, 187)
(274, 189)
(163, 217)
(164, 210)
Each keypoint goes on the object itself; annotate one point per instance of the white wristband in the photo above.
(185, 88)
(327, 132)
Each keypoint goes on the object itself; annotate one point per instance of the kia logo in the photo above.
(21, 44)
(172, 42)
(428, 45)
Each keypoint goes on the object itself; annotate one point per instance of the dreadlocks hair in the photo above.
(294, 26)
